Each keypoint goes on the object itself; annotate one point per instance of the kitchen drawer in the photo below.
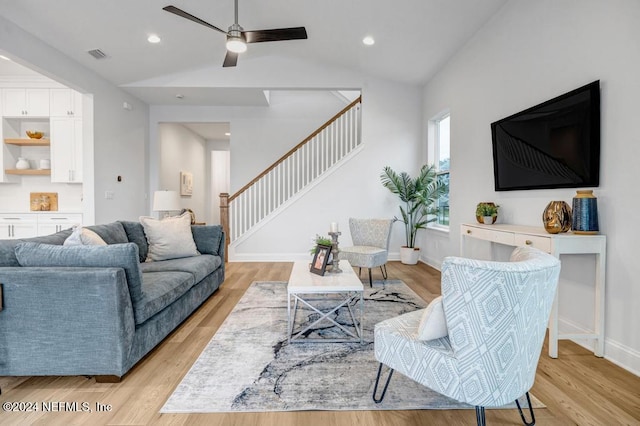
(71, 218)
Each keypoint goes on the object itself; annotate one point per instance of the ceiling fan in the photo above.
(237, 37)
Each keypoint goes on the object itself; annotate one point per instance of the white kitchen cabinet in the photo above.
(65, 103)
(18, 226)
(20, 102)
(66, 150)
(50, 223)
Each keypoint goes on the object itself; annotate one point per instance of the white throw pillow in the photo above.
(84, 237)
(169, 238)
(433, 324)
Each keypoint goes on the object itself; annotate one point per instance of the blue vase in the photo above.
(585, 213)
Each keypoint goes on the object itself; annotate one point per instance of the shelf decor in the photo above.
(585, 213)
(556, 217)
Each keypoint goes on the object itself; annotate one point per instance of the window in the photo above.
(439, 132)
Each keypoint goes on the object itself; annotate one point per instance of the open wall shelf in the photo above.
(28, 142)
(40, 172)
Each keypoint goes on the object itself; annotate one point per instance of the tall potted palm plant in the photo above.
(419, 198)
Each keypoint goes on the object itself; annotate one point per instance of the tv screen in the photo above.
(552, 145)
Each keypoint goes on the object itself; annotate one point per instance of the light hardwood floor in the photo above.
(577, 388)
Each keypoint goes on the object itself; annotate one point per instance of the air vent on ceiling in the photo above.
(97, 53)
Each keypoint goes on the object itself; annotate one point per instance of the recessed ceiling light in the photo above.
(368, 40)
(179, 96)
(4, 57)
(227, 134)
(153, 39)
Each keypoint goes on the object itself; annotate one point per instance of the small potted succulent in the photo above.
(487, 212)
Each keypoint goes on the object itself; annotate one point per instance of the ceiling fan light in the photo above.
(236, 45)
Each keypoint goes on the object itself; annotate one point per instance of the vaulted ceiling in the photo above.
(413, 38)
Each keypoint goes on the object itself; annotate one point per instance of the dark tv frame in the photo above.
(594, 133)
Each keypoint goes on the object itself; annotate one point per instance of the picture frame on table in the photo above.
(320, 259)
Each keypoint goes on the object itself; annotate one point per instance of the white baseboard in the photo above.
(619, 354)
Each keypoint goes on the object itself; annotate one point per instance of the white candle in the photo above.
(334, 226)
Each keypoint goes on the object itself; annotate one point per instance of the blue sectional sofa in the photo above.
(97, 310)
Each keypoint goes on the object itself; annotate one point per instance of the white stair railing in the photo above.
(291, 173)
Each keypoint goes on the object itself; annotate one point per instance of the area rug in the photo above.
(248, 366)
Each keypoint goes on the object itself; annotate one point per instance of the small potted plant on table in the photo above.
(487, 212)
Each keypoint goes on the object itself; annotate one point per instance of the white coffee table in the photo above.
(308, 288)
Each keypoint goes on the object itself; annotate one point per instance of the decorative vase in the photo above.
(480, 219)
(409, 255)
(557, 217)
(585, 213)
(23, 164)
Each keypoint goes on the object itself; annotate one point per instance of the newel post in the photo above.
(224, 221)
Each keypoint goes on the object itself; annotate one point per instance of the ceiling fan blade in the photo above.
(258, 36)
(230, 59)
(182, 13)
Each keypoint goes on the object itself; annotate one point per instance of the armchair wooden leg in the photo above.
(480, 418)
(386, 385)
(533, 418)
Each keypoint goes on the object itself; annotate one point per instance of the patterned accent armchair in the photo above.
(496, 316)
(370, 245)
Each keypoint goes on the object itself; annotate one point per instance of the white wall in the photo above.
(528, 53)
(119, 136)
(181, 150)
(391, 130)
(220, 172)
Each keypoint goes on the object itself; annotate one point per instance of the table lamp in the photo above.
(165, 202)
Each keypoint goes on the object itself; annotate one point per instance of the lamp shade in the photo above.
(164, 201)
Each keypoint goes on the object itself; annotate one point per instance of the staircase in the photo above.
(292, 173)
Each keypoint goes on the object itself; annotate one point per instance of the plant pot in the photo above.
(409, 255)
(488, 220)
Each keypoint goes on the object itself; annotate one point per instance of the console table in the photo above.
(556, 245)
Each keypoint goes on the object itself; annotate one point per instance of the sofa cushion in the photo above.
(433, 324)
(207, 238)
(169, 238)
(110, 256)
(198, 266)
(111, 233)
(135, 234)
(84, 237)
(159, 290)
(7, 247)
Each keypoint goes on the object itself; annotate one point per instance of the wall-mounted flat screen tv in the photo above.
(552, 145)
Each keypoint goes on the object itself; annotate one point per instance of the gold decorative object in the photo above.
(35, 134)
(557, 217)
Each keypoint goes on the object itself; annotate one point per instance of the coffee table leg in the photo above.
(361, 317)
(289, 329)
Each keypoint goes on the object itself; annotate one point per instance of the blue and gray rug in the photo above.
(249, 366)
